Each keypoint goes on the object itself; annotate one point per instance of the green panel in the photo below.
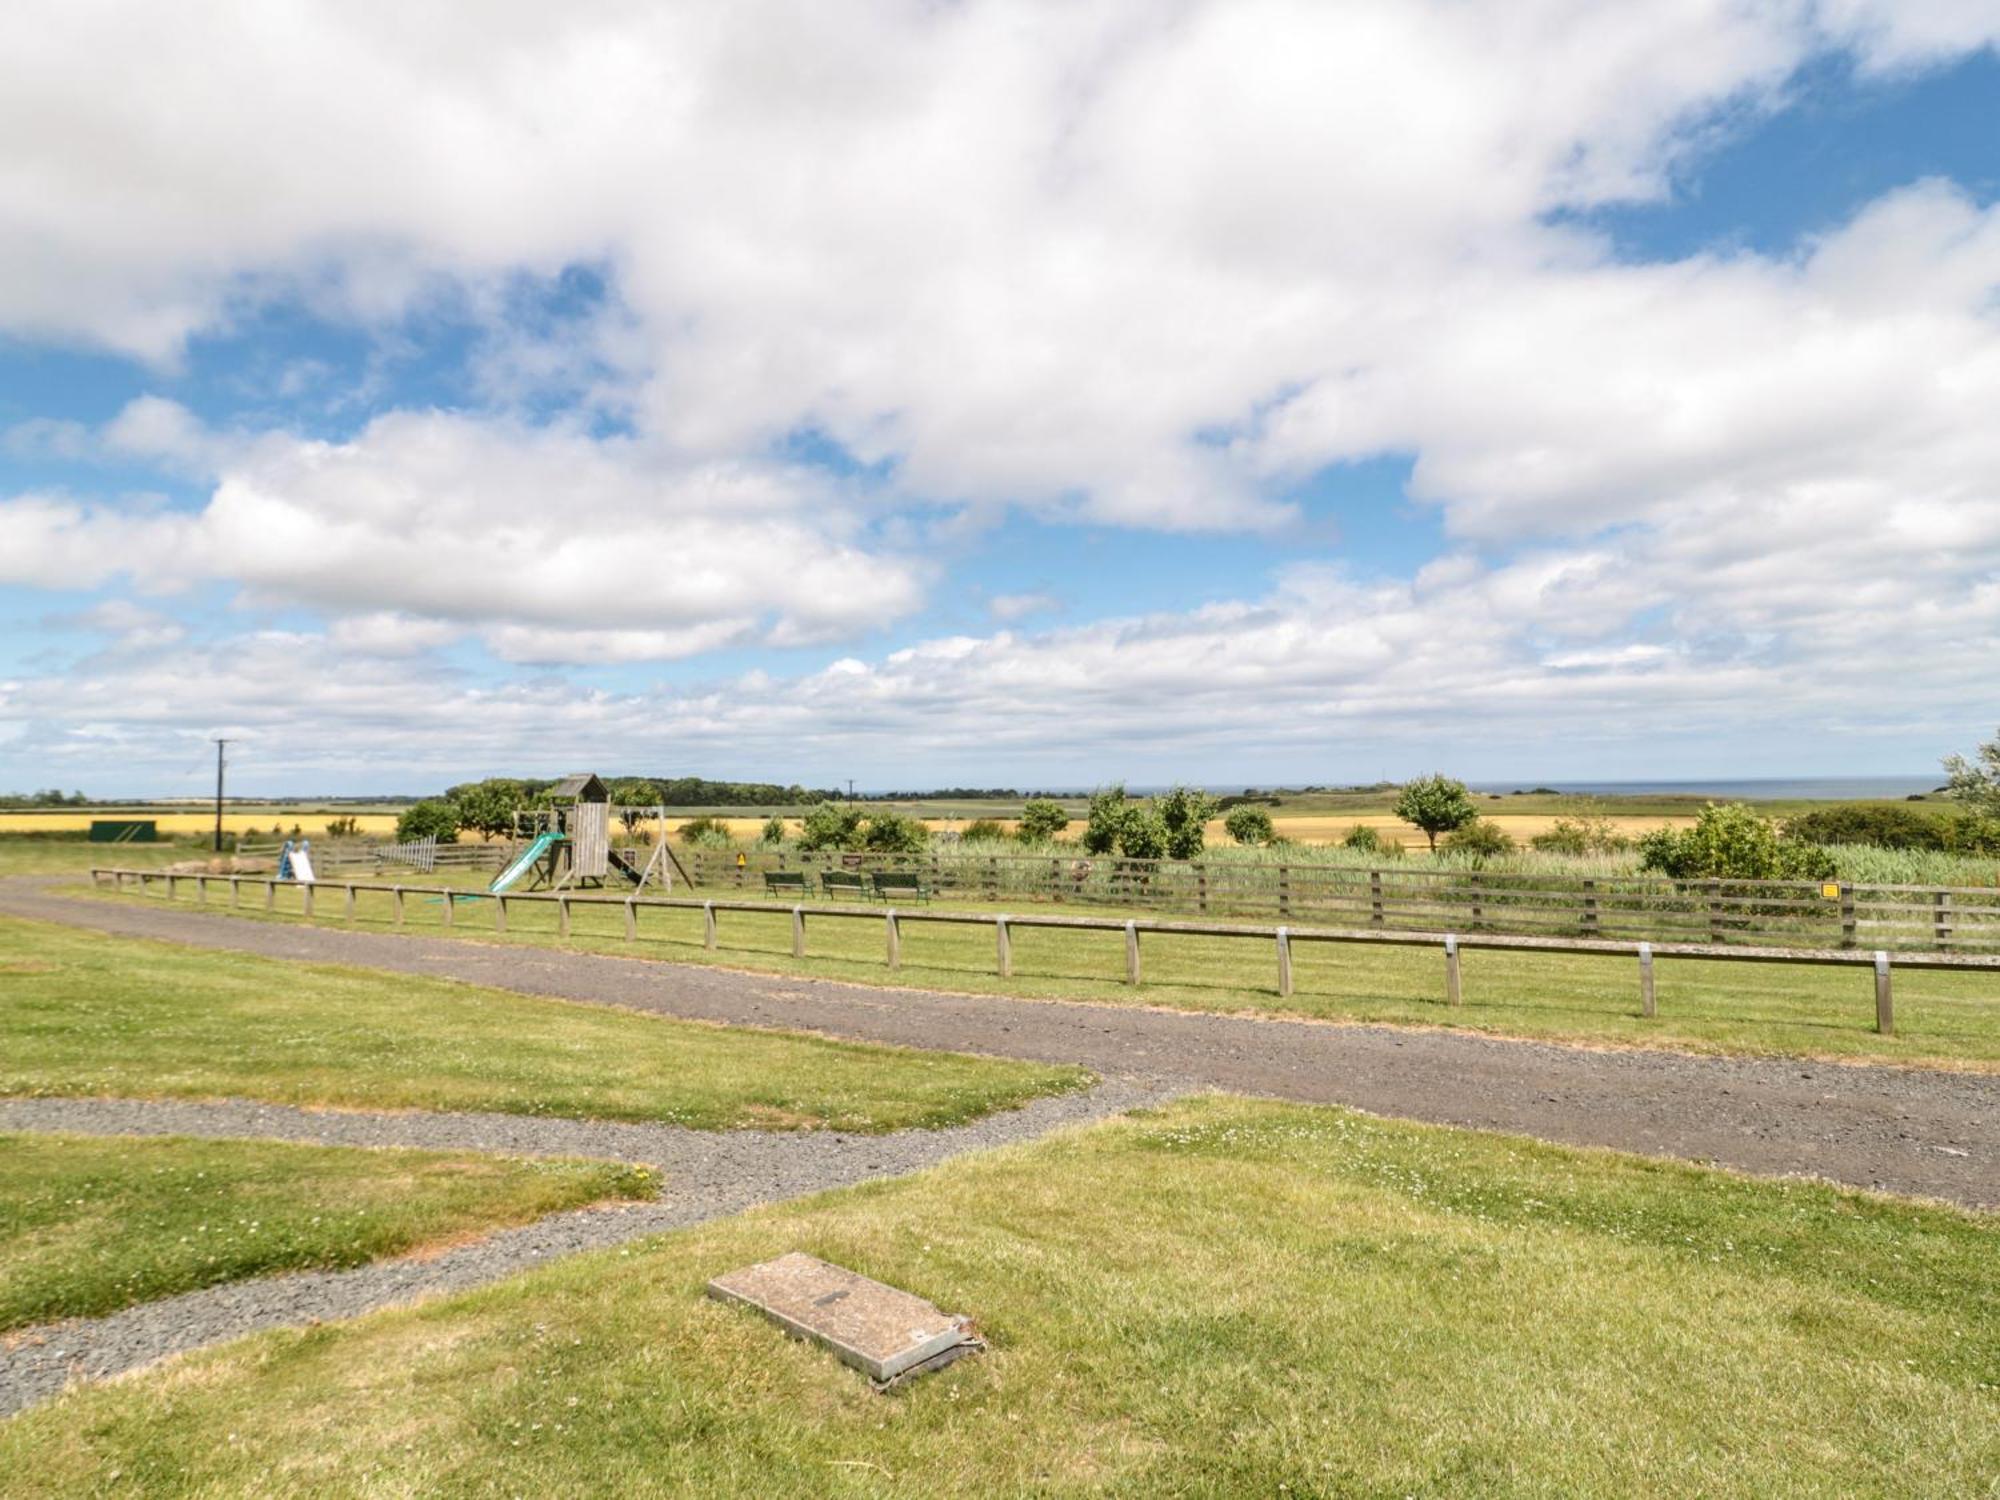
(124, 831)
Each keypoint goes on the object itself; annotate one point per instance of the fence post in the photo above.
(1941, 919)
(1849, 928)
(1590, 906)
(1131, 953)
(306, 900)
(1478, 908)
(173, 881)
(1201, 887)
(500, 913)
(1004, 946)
(448, 906)
(798, 932)
(1375, 898)
(992, 878)
(396, 898)
(347, 912)
(1885, 1005)
(1646, 979)
(1452, 994)
(201, 889)
(271, 895)
(1284, 890)
(631, 921)
(1284, 962)
(708, 924)
(1715, 911)
(562, 916)
(895, 935)
(1055, 880)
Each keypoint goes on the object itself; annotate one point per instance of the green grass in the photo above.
(1943, 1019)
(95, 1224)
(44, 856)
(1221, 1298)
(82, 1014)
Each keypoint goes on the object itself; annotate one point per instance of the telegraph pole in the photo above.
(218, 794)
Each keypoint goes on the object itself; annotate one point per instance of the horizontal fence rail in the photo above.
(1282, 938)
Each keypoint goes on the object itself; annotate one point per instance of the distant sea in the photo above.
(1773, 788)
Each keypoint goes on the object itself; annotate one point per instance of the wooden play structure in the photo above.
(569, 842)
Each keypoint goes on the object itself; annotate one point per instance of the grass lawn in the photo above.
(1942, 1018)
(82, 1014)
(1223, 1297)
(95, 1224)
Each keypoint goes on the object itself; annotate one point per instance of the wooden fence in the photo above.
(1280, 939)
(1757, 912)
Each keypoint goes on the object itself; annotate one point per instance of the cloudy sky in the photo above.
(968, 392)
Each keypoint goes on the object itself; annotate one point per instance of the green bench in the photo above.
(784, 883)
(899, 885)
(843, 885)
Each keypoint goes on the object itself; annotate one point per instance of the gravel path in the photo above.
(708, 1175)
(1903, 1130)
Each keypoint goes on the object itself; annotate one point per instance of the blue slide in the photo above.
(542, 844)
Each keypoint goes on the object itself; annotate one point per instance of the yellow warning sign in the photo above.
(1831, 890)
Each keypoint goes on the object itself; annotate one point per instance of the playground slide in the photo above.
(302, 866)
(542, 844)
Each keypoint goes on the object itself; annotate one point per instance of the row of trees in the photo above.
(51, 797)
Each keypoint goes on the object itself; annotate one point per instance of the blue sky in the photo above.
(1244, 393)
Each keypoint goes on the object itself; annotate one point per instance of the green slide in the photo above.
(529, 856)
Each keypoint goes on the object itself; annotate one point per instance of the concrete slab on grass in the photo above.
(883, 1332)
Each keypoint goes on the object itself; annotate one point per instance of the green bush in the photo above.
(1436, 804)
(1104, 827)
(1183, 813)
(1579, 836)
(1143, 833)
(489, 806)
(1041, 820)
(343, 828)
(1365, 839)
(892, 833)
(1249, 825)
(707, 832)
(773, 832)
(1732, 843)
(434, 818)
(1481, 839)
(831, 825)
(983, 829)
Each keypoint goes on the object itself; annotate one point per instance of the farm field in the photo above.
(96, 1223)
(1943, 1019)
(82, 1015)
(1217, 1297)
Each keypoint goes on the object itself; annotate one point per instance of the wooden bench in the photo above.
(849, 885)
(899, 885)
(784, 883)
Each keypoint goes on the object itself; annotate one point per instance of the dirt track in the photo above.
(1903, 1130)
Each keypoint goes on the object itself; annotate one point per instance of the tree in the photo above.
(1732, 843)
(488, 807)
(1436, 804)
(1976, 782)
(1041, 820)
(1143, 833)
(1184, 813)
(830, 825)
(635, 798)
(892, 833)
(1249, 825)
(1105, 824)
(434, 818)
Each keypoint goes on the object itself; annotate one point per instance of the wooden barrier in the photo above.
(1283, 937)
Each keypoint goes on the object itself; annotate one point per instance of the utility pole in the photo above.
(218, 794)
(850, 789)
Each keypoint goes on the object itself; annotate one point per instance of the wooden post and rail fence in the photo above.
(1283, 938)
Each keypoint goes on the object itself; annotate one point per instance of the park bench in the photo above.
(899, 885)
(784, 883)
(839, 885)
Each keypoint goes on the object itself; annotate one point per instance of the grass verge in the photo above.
(82, 1014)
(1942, 1019)
(1219, 1298)
(95, 1224)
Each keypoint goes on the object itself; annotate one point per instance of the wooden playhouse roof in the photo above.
(583, 786)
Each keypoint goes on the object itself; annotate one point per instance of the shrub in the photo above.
(983, 828)
(343, 828)
(1581, 836)
(707, 832)
(1366, 840)
(1976, 782)
(1184, 813)
(1143, 833)
(1880, 827)
(1732, 843)
(1436, 805)
(435, 818)
(1041, 820)
(1105, 824)
(1481, 838)
(1249, 825)
(773, 831)
(892, 833)
(831, 825)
